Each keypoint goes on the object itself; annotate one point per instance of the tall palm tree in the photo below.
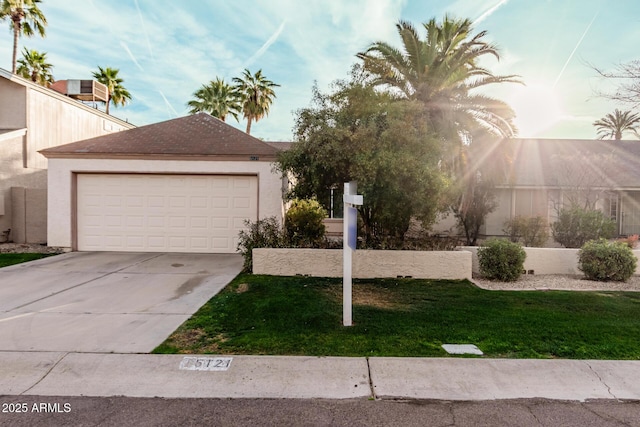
(613, 125)
(116, 93)
(216, 98)
(442, 71)
(34, 66)
(257, 95)
(26, 18)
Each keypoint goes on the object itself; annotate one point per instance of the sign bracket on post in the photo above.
(350, 238)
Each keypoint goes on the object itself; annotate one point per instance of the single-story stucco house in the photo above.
(547, 174)
(183, 185)
(33, 118)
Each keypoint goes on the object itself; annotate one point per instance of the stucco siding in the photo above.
(13, 174)
(53, 122)
(367, 264)
(494, 223)
(13, 105)
(61, 190)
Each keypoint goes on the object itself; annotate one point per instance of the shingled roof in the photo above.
(560, 162)
(198, 135)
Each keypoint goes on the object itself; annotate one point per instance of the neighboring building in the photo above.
(33, 118)
(183, 185)
(547, 174)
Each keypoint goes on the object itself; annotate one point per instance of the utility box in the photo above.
(83, 90)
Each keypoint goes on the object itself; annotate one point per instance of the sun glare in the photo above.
(537, 108)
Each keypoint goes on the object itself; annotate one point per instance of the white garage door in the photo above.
(163, 213)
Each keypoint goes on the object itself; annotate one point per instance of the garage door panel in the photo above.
(177, 213)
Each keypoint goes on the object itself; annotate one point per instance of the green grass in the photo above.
(10, 259)
(406, 317)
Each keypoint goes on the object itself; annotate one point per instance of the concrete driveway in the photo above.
(106, 301)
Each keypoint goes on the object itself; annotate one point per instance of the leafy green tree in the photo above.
(257, 95)
(26, 19)
(34, 66)
(614, 125)
(216, 98)
(116, 92)
(359, 133)
(442, 71)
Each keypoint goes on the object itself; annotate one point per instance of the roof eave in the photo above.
(142, 156)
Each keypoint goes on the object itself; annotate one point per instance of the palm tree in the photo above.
(216, 98)
(442, 71)
(34, 66)
(116, 93)
(257, 95)
(613, 125)
(26, 18)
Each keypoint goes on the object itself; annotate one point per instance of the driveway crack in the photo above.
(601, 380)
(46, 373)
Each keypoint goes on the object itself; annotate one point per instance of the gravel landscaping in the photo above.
(559, 282)
(28, 248)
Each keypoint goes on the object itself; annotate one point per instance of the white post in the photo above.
(349, 238)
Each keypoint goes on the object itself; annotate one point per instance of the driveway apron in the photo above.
(106, 301)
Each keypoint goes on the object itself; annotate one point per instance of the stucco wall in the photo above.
(61, 191)
(545, 260)
(366, 263)
(333, 226)
(29, 211)
(13, 174)
(13, 105)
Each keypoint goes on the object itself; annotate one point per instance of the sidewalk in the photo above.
(145, 375)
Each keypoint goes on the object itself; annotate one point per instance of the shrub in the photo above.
(303, 222)
(603, 260)
(265, 233)
(530, 231)
(501, 260)
(576, 226)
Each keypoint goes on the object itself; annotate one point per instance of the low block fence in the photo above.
(545, 260)
(367, 264)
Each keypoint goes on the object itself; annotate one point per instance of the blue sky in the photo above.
(166, 49)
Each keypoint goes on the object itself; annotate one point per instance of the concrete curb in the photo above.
(298, 377)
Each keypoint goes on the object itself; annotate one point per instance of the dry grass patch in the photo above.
(370, 295)
(242, 288)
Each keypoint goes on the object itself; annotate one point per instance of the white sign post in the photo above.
(349, 237)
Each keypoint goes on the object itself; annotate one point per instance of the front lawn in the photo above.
(407, 317)
(10, 259)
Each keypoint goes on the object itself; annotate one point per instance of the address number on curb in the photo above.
(205, 363)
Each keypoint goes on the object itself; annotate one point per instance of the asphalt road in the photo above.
(123, 411)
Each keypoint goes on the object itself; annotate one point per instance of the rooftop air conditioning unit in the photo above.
(83, 90)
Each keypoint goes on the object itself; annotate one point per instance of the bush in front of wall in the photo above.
(264, 233)
(530, 231)
(501, 260)
(607, 261)
(303, 222)
(576, 226)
